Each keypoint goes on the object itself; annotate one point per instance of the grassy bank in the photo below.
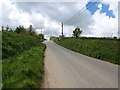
(104, 49)
(22, 63)
(13, 43)
(25, 70)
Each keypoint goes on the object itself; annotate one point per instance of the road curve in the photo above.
(67, 69)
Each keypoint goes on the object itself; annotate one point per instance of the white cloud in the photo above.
(50, 15)
(100, 6)
(113, 5)
(104, 26)
(12, 16)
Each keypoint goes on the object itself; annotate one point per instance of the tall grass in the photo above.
(13, 43)
(104, 49)
(22, 63)
(25, 70)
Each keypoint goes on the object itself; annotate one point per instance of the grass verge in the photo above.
(104, 49)
(13, 43)
(25, 70)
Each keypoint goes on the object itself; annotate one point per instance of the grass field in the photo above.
(24, 68)
(104, 49)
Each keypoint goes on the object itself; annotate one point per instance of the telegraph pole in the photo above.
(62, 29)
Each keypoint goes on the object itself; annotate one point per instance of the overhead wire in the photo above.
(80, 11)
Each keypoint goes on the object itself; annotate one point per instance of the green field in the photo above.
(24, 68)
(104, 49)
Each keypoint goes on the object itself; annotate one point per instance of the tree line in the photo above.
(22, 30)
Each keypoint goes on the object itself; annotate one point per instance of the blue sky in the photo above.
(92, 7)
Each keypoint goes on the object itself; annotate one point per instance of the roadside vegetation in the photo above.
(53, 38)
(25, 70)
(106, 49)
(22, 58)
(13, 43)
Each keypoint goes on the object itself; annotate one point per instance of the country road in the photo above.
(67, 69)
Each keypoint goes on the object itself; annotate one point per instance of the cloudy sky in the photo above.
(94, 18)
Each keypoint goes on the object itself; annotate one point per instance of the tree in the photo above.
(41, 36)
(2, 28)
(7, 28)
(30, 29)
(10, 30)
(53, 38)
(77, 32)
(115, 37)
(20, 29)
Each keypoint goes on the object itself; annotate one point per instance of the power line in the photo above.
(74, 15)
(79, 12)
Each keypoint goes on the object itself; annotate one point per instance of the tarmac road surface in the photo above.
(67, 69)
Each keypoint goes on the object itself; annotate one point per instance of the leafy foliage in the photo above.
(53, 38)
(30, 29)
(77, 32)
(20, 29)
(41, 36)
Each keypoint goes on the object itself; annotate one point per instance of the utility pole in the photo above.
(62, 29)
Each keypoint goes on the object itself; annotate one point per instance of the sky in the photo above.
(95, 19)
